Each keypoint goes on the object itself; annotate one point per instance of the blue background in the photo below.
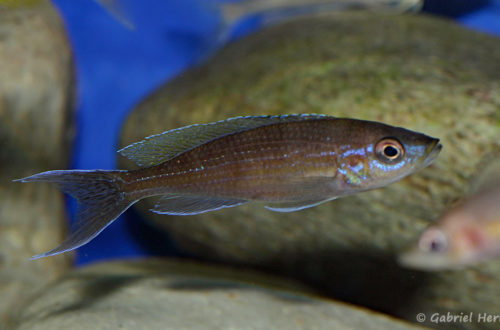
(116, 67)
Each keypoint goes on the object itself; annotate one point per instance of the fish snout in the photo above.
(432, 152)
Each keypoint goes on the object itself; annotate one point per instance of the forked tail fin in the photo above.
(100, 201)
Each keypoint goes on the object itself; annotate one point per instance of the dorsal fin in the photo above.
(156, 149)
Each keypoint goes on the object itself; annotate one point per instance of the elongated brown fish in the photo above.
(466, 234)
(289, 162)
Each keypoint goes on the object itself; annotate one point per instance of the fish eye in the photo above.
(389, 150)
(433, 240)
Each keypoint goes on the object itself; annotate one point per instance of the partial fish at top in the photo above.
(272, 11)
(268, 11)
(288, 162)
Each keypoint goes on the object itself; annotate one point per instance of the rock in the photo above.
(154, 294)
(418, 72)
(35, 108)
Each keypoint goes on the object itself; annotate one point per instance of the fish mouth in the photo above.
(432, 152)
(419, 260)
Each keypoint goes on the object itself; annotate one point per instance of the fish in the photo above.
(467, 234)
(116, 8)
(278, 10)
(285, 162)
(267, 12)
(119, 11)
(232, 12)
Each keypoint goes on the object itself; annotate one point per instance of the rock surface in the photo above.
(153, 294)
(35, 108)
(418, 72)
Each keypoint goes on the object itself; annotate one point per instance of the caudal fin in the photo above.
(100, 202)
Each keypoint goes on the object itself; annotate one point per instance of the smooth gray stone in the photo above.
(36, 96)
(156, 294)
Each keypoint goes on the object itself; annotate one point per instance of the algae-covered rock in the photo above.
(153, 294)
(35, 106)
(418, 72)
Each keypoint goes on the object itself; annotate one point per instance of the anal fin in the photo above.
(192, 204)
(296, 205)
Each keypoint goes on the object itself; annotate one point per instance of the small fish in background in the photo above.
(119, 11)
(287, 162)
(116, 8)
(465, 235)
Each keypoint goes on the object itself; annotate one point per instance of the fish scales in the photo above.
(255, 164)
(288, 162)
